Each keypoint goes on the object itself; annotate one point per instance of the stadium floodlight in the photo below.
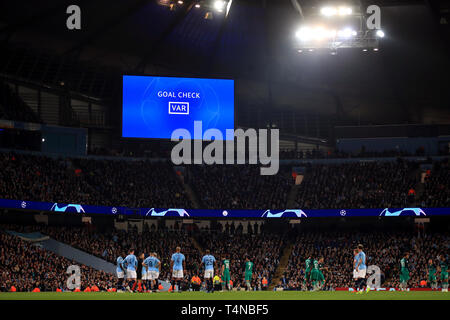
(197, 5)
(320, 33)
(345, 11)
(346, 33)
(180, 2)
(380, 34)
(219, 5)
(333, 11)
(304, 33)
(314, 34)
(375, 49)
(328, 11)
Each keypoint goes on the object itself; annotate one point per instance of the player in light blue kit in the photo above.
(130, 262)
(177, 264)
(360, 270)
(120, 271)
(208, 260)
(153, 266)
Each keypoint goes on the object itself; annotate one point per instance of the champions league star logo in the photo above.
(78, 208)
(290, 213)
(403, 212)
(167, 213)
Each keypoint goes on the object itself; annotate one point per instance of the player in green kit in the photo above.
(432, 274)
(443, 265)
(307, 279)
(315, 275)
(226, 276)
(248, 273)
(404, 272)
(222, 282)
(321, 276)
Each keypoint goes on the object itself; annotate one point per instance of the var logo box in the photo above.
(178, 107)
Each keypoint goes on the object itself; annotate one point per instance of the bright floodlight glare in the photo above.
(345, 11)
(375, 49)
(328, 11)
(219, 5)
(197, 5)
(320, 33)
(180, 2)
(314, 34)
(304, 33)
(346, 33)
(331, 11)
(380, 33)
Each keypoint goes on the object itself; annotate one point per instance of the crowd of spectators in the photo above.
(436, 191)
(27, 266)
(87, 181)
(149, 184)
(263, 250)
(357, 185)
(134, 183)
(383, 249)
(318, 153)
(240, 187)
(110, 244)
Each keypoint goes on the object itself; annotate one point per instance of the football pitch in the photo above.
(259, 295)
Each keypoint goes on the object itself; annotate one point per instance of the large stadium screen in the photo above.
(153, 107)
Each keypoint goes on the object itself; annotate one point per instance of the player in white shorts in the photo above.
(177, 264)
(144, 273)
(130, 262)
(120, 273)
(208, 260)
(355, 263)
(153, 266)
(360, 270)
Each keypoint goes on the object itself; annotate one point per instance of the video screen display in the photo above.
(153, 107)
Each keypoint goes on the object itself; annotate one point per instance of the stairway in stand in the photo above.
(189, 192)
(197, 245)
(281, 266)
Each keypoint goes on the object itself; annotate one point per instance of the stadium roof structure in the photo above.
(405, 81)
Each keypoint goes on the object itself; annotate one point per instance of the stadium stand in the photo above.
(90, 181)
(12, 107)
(384, 249)
(436, 191)
(357, 185)
(29, 266)
(155, 184)
(231, 187)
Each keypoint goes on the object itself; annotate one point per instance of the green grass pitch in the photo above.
(259, 295)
